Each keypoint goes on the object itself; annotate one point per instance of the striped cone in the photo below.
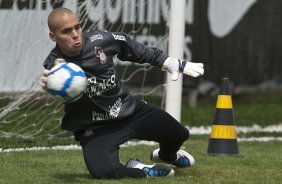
(223, 137)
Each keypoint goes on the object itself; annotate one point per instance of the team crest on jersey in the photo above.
(101, 55)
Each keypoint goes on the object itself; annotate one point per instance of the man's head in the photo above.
(65, 30)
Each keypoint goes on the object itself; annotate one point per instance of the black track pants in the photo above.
(101, 147)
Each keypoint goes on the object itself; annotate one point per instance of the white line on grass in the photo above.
(127, 144)
(67, 147)
(193, 131)
(73, 147)
(259, 139)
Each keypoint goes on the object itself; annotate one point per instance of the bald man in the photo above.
(65, 30)
(107, 115)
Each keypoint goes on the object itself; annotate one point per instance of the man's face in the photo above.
(67, 34)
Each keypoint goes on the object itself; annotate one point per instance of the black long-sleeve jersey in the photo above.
(106, 98)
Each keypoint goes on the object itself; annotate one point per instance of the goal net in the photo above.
(27, 112)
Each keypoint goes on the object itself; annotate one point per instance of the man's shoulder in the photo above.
(49, 61)
(105, 34)
(96, 33)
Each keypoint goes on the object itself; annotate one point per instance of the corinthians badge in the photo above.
(101, 55)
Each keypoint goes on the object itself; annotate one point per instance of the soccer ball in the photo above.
(66, 81)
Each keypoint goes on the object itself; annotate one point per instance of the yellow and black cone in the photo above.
(223, 137)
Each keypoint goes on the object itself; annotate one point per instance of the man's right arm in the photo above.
(49, 62)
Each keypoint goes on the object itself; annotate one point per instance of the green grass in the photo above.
(262, 108)
(257, 163)
(262, 113)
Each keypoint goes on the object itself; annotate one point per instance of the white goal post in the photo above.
(175, 49)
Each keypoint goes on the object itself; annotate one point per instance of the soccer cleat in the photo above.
(183, 159)
(150, 170)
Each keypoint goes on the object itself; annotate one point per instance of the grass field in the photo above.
(258, 162)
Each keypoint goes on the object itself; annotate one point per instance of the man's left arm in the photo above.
(137, 52)
(133, 51)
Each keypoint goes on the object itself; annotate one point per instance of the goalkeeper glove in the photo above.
(43, 79)
(174, 66)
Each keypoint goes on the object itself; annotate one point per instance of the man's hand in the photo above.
(43, 79)
(174, 66)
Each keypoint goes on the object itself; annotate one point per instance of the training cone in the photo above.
(223, 137)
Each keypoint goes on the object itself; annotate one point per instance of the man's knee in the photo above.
(183, 135)
(186, 134)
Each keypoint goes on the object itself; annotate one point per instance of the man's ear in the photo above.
(52, 36)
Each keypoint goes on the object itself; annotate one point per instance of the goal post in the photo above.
(175, 49)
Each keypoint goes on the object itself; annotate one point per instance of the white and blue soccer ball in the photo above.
(66, 81)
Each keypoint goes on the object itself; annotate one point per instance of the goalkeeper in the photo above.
(107, 115)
